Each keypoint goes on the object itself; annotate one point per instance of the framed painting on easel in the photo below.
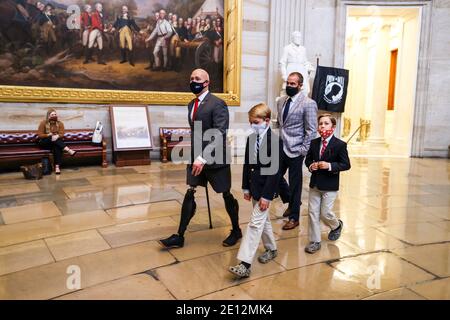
(131, 135)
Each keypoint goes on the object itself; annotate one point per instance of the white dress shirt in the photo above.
(261, 137)
(293, 99)
(321, 145)
(200, 100)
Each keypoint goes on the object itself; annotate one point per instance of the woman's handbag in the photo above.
(97, 136)
(32, 172)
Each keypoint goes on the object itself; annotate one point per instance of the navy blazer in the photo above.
(336, 154)
(255, 178)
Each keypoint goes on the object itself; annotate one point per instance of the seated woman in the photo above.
(51, 133)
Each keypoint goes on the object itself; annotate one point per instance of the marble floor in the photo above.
(97, 229)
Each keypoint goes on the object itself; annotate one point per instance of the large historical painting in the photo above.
(114, 46)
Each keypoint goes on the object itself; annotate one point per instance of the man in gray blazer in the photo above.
(297, 121)
(209, 120)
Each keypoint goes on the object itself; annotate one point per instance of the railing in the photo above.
(363, 129)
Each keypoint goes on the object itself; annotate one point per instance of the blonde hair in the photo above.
(261, 111)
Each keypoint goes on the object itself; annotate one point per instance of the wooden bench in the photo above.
(171, 137)
(18, 146)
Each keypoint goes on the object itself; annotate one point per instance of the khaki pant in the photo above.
(48, 32)
(320, 206)
(126, 38)
(259, 228)
(174, 50)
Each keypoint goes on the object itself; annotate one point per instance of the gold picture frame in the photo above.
(231, 77)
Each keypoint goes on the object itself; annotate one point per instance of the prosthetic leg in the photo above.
(187, 212)
(232, 207)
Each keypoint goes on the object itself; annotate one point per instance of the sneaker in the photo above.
(267, 256)
(336, 233)
(240, 270)
(233, 238)
(313, 247)
(174, 241)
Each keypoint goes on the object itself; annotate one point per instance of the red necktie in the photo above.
(195, 109)
(324, 146)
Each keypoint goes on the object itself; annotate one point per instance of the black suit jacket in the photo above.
(212, 113)
(261, 175)
(336, 154)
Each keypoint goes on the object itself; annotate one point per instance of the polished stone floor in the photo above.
(100, 226)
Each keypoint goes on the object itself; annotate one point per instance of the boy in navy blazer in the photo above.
(260, 181)
(327, 156)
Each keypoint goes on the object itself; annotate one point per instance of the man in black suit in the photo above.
(326, 157)
(208, 117)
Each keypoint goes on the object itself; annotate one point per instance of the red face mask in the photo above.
(55, 118)
(325, 134)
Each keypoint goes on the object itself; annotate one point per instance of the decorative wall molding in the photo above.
(66, 95)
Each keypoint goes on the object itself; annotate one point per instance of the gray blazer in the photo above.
(213, 114)
(300, 126)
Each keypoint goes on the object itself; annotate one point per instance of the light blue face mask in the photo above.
(259, 128)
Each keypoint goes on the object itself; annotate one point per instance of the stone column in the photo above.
(379, 85)
(286, 16)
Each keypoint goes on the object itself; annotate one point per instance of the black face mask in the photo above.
(197, 87)
(292, 91)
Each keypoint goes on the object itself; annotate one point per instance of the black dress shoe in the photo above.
(287, 213)
(233, 238)
(174, 241)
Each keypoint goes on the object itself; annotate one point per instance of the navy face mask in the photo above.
(197, 87)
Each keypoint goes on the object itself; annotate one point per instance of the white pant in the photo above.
(258, 228)
(319, 207)
(85, 37)
(161, 43)
(95, 36)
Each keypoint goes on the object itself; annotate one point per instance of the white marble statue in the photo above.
(294, 60)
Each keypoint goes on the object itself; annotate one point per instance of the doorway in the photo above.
(381, 53)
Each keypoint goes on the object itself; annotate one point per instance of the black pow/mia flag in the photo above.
(330, 88)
